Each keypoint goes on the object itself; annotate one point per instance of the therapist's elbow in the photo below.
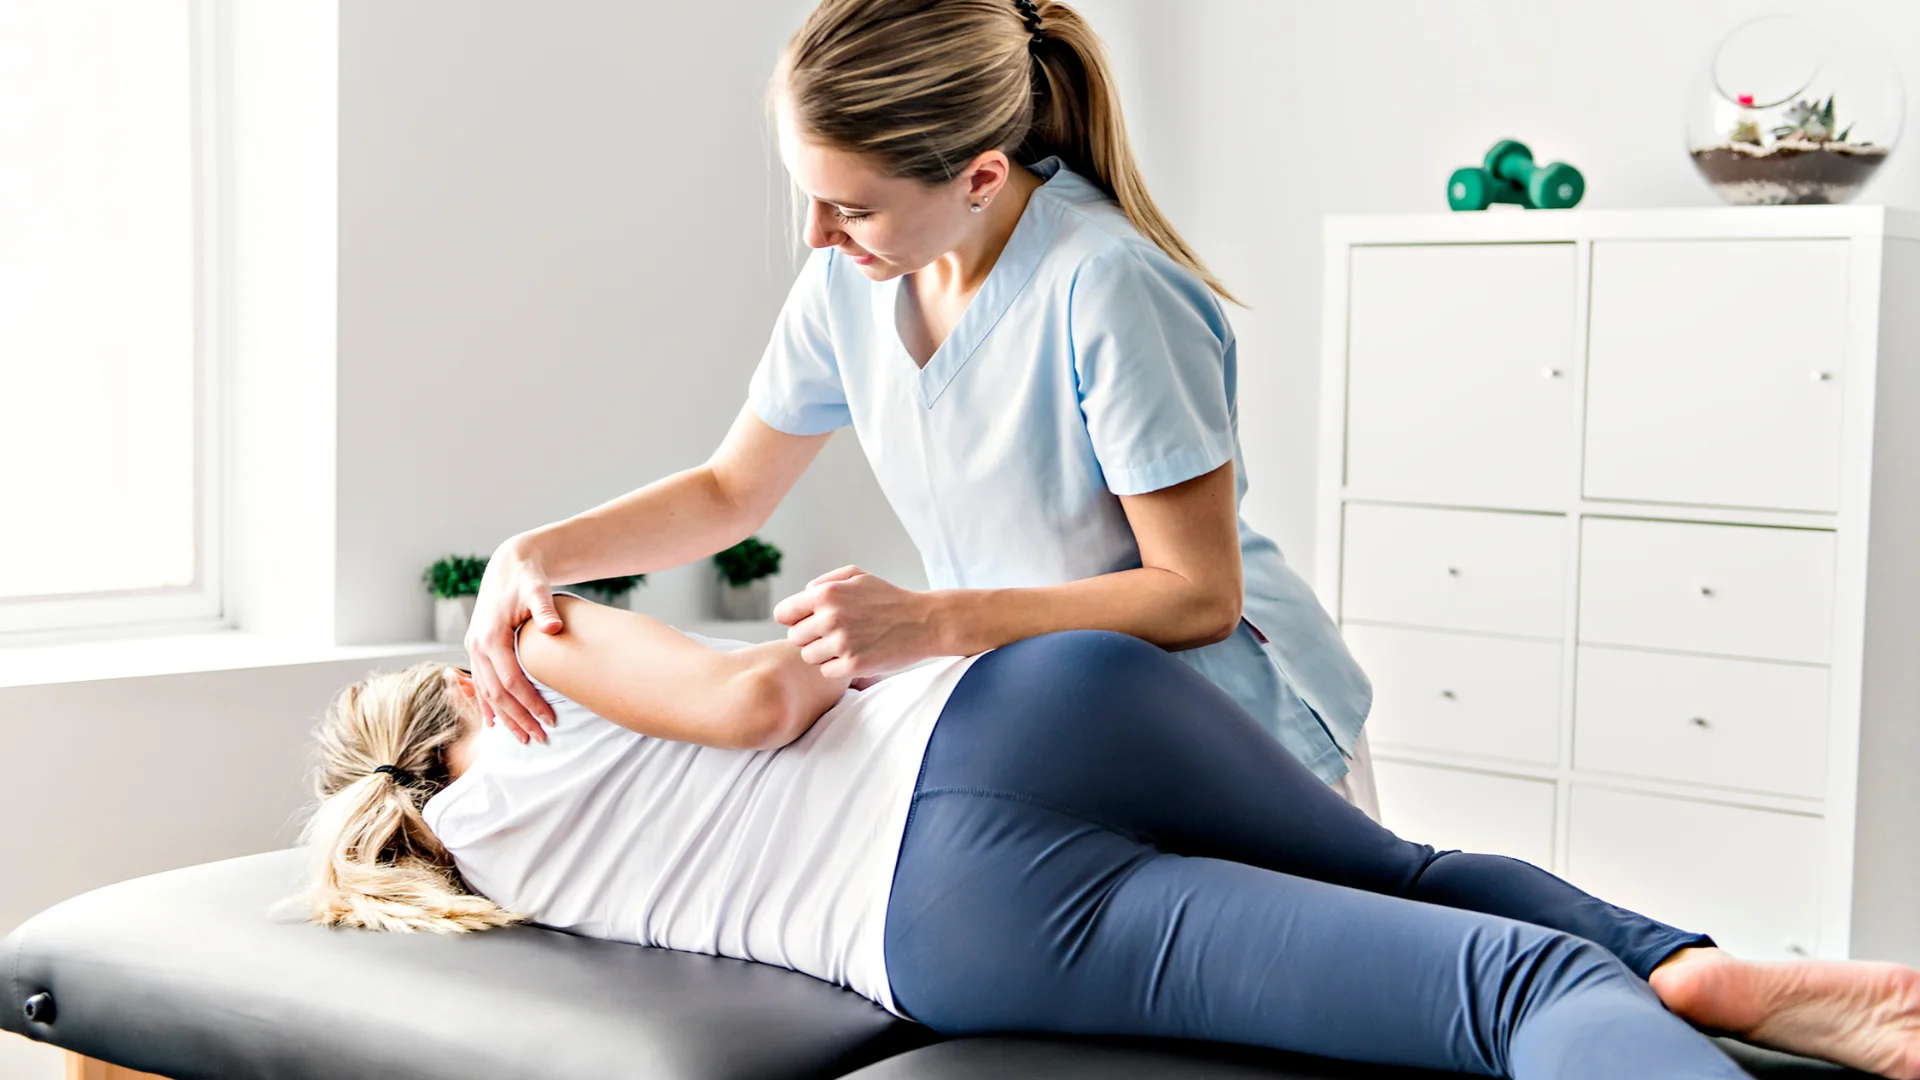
(1221, 616)
(1208, 619)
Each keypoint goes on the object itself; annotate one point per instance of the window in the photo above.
(108, 466)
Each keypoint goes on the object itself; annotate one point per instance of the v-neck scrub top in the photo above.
(1088, 366)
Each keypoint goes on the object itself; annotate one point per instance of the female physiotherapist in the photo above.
(1037, 367)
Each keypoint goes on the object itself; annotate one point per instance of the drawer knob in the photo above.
(1453, 571)
(1821, 376)
(1706, 590)
(1549, 372)
(1700, 722)
(1449, 695)
(1796, 948)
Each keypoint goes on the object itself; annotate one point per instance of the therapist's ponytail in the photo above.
(924, 86)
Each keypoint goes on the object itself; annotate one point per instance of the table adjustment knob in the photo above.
(39, 1008)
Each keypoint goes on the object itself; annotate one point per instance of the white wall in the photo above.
(281, 66)
(564, 238)
(528, 240)
(1270, 114)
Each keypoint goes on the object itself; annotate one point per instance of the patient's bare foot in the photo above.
(1855, 1012)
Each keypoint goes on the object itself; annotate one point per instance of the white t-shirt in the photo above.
(784, 856)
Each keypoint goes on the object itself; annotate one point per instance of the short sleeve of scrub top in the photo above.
(1149, 363)
(797, 387)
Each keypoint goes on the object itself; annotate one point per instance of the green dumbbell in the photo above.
(1510, 176)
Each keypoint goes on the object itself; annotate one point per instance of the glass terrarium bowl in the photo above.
(1794, 109)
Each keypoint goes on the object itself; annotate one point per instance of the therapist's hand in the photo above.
(855, 625)
(514, 589)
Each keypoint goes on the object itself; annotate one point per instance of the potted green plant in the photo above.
(454, 582)
(613, 591)
(744, 572)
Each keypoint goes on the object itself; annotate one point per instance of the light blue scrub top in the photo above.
(1089, 366)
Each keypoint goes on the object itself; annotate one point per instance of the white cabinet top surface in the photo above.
(1537, 226)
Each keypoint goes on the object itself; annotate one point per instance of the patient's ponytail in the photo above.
(376, 864)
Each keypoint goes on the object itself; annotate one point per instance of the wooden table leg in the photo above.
(86, 1068)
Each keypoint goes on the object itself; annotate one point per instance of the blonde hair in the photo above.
(376, 864)
(922, 87)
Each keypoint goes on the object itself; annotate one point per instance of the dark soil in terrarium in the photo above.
(1789, 172)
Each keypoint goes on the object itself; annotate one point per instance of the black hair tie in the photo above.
(400, 775)
(1030, 14)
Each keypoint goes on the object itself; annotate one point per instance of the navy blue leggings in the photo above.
(1103, 842)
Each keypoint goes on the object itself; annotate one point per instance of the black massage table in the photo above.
(184, 975)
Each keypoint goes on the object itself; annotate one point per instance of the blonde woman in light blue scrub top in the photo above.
(1040, 371)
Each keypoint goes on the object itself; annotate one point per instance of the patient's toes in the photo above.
(1858, 1013)
(1903, 1003)
(1896, 1014)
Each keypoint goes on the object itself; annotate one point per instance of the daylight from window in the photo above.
(98, 398)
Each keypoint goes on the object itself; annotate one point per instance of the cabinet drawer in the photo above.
(1454, 569)
(1460, 381)
(1730, 589)
(1494, 697)
(1732, 723)
(1470, 811)
(1714, 372)
(1751, 878)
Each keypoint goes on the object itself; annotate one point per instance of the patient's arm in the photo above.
(644, 675)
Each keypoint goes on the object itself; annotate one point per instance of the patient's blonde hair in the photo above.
(922, 87)
(376, 864)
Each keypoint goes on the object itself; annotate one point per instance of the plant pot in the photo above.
(451, 614)
(752, 601)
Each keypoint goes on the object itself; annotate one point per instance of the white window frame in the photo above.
(199, 605)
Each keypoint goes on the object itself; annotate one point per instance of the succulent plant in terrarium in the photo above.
(1810, 122)
(1794, 109)
(1804, 157)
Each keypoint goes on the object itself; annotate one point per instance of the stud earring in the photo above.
(975, 208)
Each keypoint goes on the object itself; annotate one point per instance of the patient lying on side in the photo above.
(1075, 833)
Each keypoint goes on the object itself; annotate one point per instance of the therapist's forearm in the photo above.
(1153, 604)
(671, 521)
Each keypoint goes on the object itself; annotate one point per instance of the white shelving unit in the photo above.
(1621, 512)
